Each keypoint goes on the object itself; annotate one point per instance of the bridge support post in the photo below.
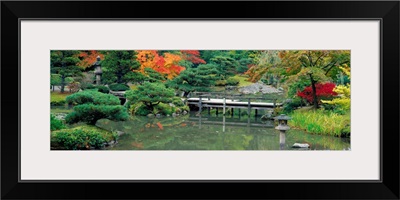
(239, 113)
(223, 112)
(216, 112)
(248, 108)
(209, 111)
(200, 106)
(232, 112)
(255, 115)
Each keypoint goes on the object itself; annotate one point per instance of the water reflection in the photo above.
(212, 133)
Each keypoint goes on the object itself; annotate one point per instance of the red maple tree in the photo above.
(324, 90)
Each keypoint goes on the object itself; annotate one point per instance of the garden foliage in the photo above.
(324, 91)
(77, 139)
(55, 124)
(91, 106)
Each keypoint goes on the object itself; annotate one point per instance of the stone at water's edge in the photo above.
(300, 145)
(150, 115)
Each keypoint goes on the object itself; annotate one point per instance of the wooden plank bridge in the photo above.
(224, 101)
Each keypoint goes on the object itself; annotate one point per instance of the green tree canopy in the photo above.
(64, 63)
(118, 66)
(313, 66)
(198, 79)
(150, 94)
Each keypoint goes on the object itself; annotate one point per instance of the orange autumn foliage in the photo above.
(192, 56)
(88, 58)
(166, 65)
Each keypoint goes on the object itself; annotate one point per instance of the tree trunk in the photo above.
(119, 75)
(62, 83)
(185, 94)
(119, 79)
(314, 89)
(150, 107)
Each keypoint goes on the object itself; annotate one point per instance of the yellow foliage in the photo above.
(343, 91)
(343, 103)
(346, 70)
(344, 97)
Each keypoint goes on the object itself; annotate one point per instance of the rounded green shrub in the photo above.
(142, 111)
(164, 109)
(55, 124)
(177, 101)
(93, 97)
(232, 81)
(119, 87)
(220, 83)
(58, 103)
(103, 89)
(76, 139)
(90, 113)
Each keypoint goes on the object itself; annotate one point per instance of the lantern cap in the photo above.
(282, 117)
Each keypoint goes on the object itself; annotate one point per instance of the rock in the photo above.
(173, 114)
(158, 115)
(171, 104)
(60, 116)
(258, 87)
(184, 112)
(267, 116)
(120, 133)
(150, 115)
(288, 101)
(301, 145)
(168, 115)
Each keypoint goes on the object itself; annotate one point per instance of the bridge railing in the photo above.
(233, 97)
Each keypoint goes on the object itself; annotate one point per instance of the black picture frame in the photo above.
(386, 11)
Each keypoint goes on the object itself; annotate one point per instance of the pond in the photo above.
(190, 132)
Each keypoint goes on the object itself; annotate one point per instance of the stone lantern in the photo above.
(282, 127)
(97, 70)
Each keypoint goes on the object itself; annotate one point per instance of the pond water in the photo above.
(191, 132)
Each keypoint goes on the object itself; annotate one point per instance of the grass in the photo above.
(242, 81)
(321, 122)
(60, 109)
(57, 96)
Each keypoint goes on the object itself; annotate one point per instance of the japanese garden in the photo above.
(200, 100)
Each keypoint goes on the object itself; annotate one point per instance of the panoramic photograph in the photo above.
(200, 100)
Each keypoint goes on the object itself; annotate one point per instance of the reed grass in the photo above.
(321, 122)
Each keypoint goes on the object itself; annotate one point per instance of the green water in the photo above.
(210, 133)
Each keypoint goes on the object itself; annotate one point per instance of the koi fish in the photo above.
(183, 125)
(160, 126)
